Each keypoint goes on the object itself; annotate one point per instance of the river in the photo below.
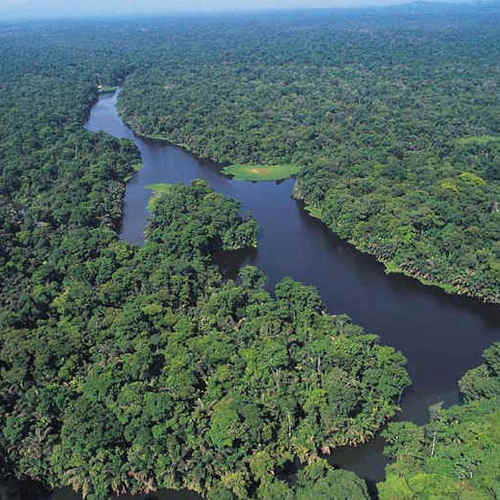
(442, 336)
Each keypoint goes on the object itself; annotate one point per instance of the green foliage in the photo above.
(483, 381)
(152, 373)
(207, 220)
(133, 369)
(456, 454)
(437, 227)
(390, 120)
(472, 179)
(318, 481)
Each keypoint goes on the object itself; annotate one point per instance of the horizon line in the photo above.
(249, 10)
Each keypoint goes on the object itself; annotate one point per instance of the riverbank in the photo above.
(390, 266)
(425, 324)
(239, 172)
(259, 172)
(442, 336)
(136, 167)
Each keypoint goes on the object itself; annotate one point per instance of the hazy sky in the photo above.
(57, 8)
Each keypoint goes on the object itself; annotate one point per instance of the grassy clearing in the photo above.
(158, 190)
(261, 172)
(477, 139)
(104, 89)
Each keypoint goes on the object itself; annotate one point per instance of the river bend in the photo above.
(442, 336)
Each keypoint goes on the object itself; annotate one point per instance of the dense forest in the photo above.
(392, 116)
(130, 369)
(150, 372)
(127, 369)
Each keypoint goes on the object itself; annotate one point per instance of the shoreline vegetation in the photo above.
(136, 130)
(258, 172)
(389, 266)
(397, 152)
(130, 369)
(239, 172)
(455, 454)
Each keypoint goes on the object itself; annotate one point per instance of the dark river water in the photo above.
(441, 336)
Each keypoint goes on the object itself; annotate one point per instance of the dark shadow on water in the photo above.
(23, 490)
(31, 490)
(230, 263)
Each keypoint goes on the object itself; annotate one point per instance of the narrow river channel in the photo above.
(441, 336)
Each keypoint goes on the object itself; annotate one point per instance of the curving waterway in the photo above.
(442, 336)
